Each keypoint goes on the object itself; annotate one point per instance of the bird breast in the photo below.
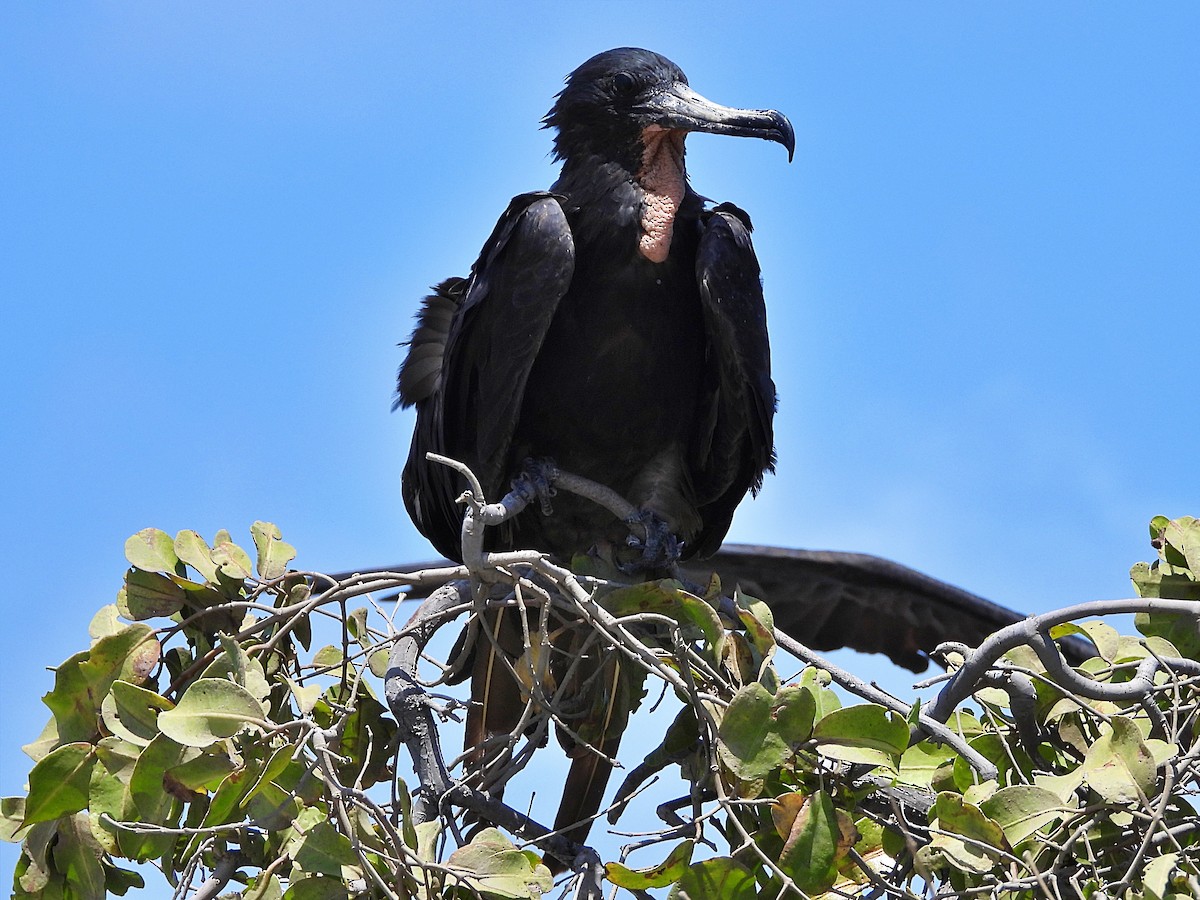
(662, 178)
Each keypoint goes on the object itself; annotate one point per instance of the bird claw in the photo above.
(536, 482)
(660, 548)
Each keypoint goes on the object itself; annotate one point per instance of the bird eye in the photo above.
(625, 83)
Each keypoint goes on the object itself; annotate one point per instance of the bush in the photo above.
(201, 733)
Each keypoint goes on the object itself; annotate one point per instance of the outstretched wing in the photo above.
(735, 444)
(471, 355)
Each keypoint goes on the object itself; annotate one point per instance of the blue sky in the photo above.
(217, 221)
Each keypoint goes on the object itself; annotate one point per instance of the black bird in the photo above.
(614, 325)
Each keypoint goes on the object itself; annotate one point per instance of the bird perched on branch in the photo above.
(615, 327)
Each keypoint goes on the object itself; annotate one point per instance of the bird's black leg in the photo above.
(660, 548)
(536, 482)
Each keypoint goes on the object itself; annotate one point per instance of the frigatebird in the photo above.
(615, 327)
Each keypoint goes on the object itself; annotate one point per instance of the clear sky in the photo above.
(217, 220)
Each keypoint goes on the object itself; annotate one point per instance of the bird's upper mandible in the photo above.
(610, 99)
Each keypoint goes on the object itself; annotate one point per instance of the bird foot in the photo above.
(536, 482)
(660, 548)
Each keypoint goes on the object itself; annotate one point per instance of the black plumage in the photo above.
(615, 325)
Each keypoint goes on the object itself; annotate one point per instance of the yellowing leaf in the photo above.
(494, 867)
(1119, 766)
(863, 734)
(152, 550)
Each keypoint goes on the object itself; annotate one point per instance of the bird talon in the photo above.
(536, 482)
(660, 547)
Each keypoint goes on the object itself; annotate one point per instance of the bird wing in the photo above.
(828, 599)
(482, 356)
(735, 443)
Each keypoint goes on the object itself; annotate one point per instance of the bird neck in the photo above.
(663, 178)
(639, 208)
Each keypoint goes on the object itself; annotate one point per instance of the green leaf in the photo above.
(118, 756)
(152, 550)
(194, 550)
(317, 887)
(1178, 628)
(118, 881)
(237, 666)
(77, 855)
(427, 839)
(407, 829)
(366, 742)
(863, 734)
(306, 695)
(81, 682)
(817, 682)
(71, 702)
(1103, 636)
(1119, 766)
(149, 595)
(795, 709)
(34, 869)
(199, 775)
(379, 662)
(231, 560)
(46, 741)
(209, 710)
(1021, 810)
(223, 806)
(107, 793)
(668, 598)
(1176, 572)
(12, 814)
(494, 867)
(152, 803)
(106, 621)
(273, 553)
(666, 872)
(720, 878)
(58, 784)
(744, 663)
(758, 619)
(272, 807)
(130, 655)
(973, 842)
(1181, 540)
(324, 851)
(356, 624)
(327, 657)
(1162, 580)
(131, 712)
(263, 887)
(920, 761)
(994, 748)
(759, 622)
(1157, 875)
(750, 743)
(274, 767)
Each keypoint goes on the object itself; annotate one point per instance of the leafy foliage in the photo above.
(201, 732)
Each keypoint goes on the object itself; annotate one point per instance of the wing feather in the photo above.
(467, 376)
(735, 446)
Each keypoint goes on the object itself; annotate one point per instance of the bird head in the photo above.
(618, 98)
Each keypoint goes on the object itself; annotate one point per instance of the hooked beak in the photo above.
(680, 107)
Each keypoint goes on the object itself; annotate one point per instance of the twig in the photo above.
(928, 723)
